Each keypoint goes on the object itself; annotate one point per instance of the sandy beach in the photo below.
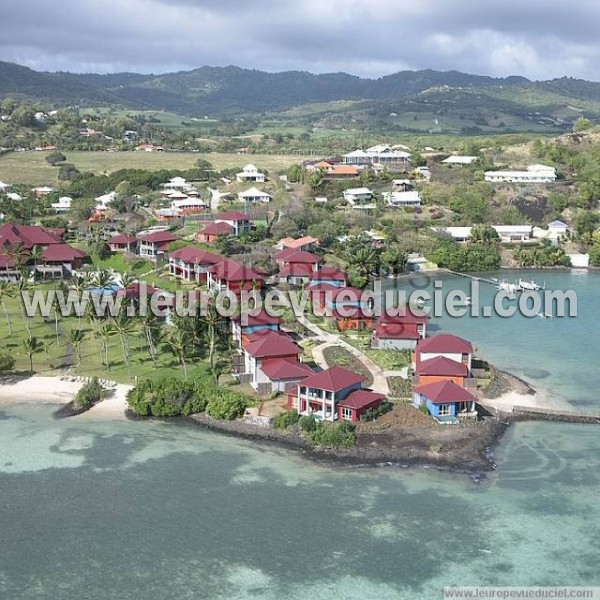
(54, 390)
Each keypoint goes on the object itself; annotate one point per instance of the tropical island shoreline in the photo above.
(398, 442)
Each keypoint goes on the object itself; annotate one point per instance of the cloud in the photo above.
(539, 39)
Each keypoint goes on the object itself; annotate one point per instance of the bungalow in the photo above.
(61, 257)
(267, 345)
(401, 332)
(239, 221)
(154, 245)
(402, 199)
(177, 184)
(446, 401)
(243, 327)
(250, 173)
(289, 257)
(441, 369)
(188, 205)
(213, 231)
(284, 376)
(192, 264)
(402, 185)
(294, 274)
(306, 243)
(459, 160)
(63, 205)
(380, 154)
(231, 276)
(533, 174)
(558, 228)
(254, 195)
(335, 393)
(342, 172)
(329, 275)
(448, 345)
(123, 243)
(355, 196)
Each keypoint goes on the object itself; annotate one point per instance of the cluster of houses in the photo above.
(513, 234)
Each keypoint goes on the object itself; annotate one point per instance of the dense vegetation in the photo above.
(89, 394)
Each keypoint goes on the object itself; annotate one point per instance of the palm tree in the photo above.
(6, 291)
(123, 328)
(75, 337)
(103, 278)
(178, 343)
(22, 287)
(46, 345)
(212, 321)
(32, 346)
(80, 285)
(151, 331)
(17, 253)
(106, 332)
(35, 254)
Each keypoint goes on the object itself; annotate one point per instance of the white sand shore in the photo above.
(507, 401)
(53, 390)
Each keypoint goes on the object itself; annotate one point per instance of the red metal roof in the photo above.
(196, 256)
(444, 392)
(28, 236)
(233, 216)
(272, 344)
(407, 317)
(396, 332)
(334, 379)
(278, 369)
(262, 318)
(291, 255)
(350, 312)
(295, 270)
(158, 237)
(231, 271)
(361, 399)
(330, 273)
(440, 365)
(135, 290)
(7, 262)
(123, 239)
(217, 229)
(445, 343)
(62, 253)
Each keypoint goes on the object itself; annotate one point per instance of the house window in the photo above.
(445, 410)
(347, 414)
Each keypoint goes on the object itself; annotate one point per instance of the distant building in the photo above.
(533, 174)
(63, 205)
(254, 195)
(381, 154)
(355, 196)
(459, 160)
(402, 199)
(250, 173)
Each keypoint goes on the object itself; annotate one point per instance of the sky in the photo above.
(538, 39)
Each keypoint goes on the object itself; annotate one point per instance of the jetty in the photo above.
(521, 286)
(537, 413)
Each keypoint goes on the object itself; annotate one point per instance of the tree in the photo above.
(31, 346)
(484, 234)
(75, 337)
(124, 328)
(106, 332)
(581, 125)
(7, 362)
(55, 158)
(35, 254)
(90, 393)
(6, 291)
(178, 343)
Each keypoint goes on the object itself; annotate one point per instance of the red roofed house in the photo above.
(123, 243)
(153, 245)
(213, 231)
(62, 256)
(296, 266)
(192, 264)
(271, 360)
(401, 332)
(446, 401)
(238, 220)
(229, 275)
(243, 326)
(330, 276)
(445, 344)
(439, 369)
(333, 394)
(349, 307)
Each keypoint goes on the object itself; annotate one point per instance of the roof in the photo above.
(459, 160)
(361, 399)
(440, 365)
(334, 379)
(295, 270)
(233, 215)
(271, 344)
(278, 369)
(342, 170)
(395, 332)
(358, 191)
(229, 270)
(134, 290)
(26, 235)
(158, 237)
(290, 255)
(62, 252)
(445, 343)
(557, 224)
(262, 318)
(407, 317)
(330, 273)
(195, 256)
(298, 243)
(444, 392)
(217, 229)
(253, 192)
(7, 262)
(123, 239)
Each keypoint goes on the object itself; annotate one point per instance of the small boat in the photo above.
(530, 286)
(506, 286)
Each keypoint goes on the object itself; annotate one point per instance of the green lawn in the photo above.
(31, 167)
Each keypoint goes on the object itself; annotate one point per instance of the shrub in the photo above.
(375, 413)
(341, 435)
(286, 420)
(166, 398)
(7, 361)
(90, 394)
(307, 423)
(226, 405)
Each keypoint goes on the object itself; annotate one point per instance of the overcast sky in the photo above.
(539, 39)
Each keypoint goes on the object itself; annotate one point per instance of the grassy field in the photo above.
(31, 168)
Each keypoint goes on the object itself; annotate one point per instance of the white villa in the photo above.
(380, 154)
(401, 199)
(556, 230)
(188, 204)
(103, 201)
(533, 174)
(459, 160)
(515, 234)
(63, 205)
(356, 196)
(254, 195)
(250, 173)
(178, 184)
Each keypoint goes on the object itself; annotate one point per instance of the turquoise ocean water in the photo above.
(160, 511)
